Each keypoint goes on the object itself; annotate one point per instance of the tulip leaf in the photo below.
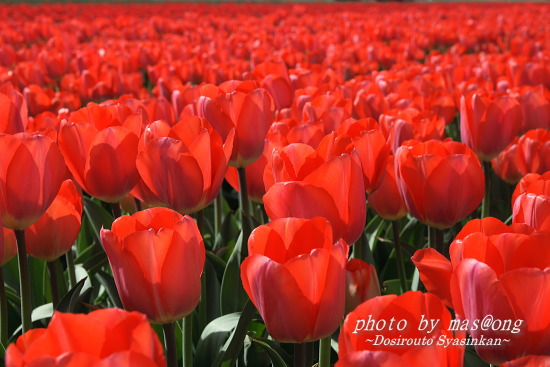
(471, 359)
(108, 282)
(217, 263)
(99, 216)
(70, 300)
(277, 354)
(213, 338)
(42, 312)
(233, 296)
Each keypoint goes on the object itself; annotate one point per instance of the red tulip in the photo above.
(386, 200)
(489, 122)
(411, 316)
(31, 172)
(307, 183)
(8, 246)
(529, 361)
(56, 230)
(274, 78)
(100, 147)
(533, 152)
(505, 164)
(362, 283)
(243, 107)
(441, 181)
(531, 201)
(14, 112)
(193, 161)
(296, 277)
(535, 103)
(157, 257)
(107, 337)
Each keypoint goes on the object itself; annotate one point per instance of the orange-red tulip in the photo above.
(14, 112)
(505, 164)
(398, 318)
(441, 181)
(157, 256)
(308, 183)
(529, 361)
(100, 148)
(296, 277)
(242, 107)
(53, 234)
(108, 337)
(533, 151)
(31, 172)
(184, 165)
(8, 246)
(489, 122)
(386, 200)
(362, 283)
(531, 201)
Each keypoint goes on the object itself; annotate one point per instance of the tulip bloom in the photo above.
(360, 341)
(386, 200)
(31, 172)
(274, 78)
(14, 111)
(531, 201)
(157, 256)
(296, 277)
(107, 337)
(533, 151)
(441, 181)
(8, 246)
(529, 361)
(505, 164)
(240, 106)
(100, 148)
(308, 183)
(493, 272)
(184, 165)
(489, 122)
(362, 283)
(54, 233)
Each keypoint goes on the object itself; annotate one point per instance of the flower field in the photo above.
(336, 184)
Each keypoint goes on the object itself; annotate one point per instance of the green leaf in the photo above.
(69, 301)
(214, 337)
(233, 296)
(42, 312)
(108, 282)
(278, 356)
(99, 217)
(471, 359)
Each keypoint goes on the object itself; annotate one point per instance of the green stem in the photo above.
(115, 207)
(54, 286)
(170, 344)
(399, 256)
(303, 354)
(70, 268)
(138, 204)
(187, 340)
(3, 311)
(486, 203)
(439, 240)
(201, 312)
(218, 213)
(431, 237)
(24, 280)
(245, 211)
(324, 352)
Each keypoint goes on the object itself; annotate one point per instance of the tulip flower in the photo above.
(54, 233)
(157, 256)
(240, 106)
(296, 277)
(274, 78)
(531, 201)
(367, 332)
(100, 148)
(362, 283)
(505, 164)
(441, 181)
(386, 200)
(31, 172)
(193, 161)
(533, 151)
(14, 111)
(107, 337)
(489, 122)
(307, 183)
(529, 361)
(491, 273)
(8, 246)
(535, 103)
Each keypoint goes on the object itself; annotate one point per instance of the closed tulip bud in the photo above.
(157, 256)
(54, 233)
(296, 277)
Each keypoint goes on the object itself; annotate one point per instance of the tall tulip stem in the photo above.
(245, 210)
(218, 214)
(3, 311)
(115, 207)
(54, 287)
(324, 352)
(399, 256)
(70, 268)
(486, 203)
(303, 354)
(170, 344)
(187, 340)
(24, 280)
